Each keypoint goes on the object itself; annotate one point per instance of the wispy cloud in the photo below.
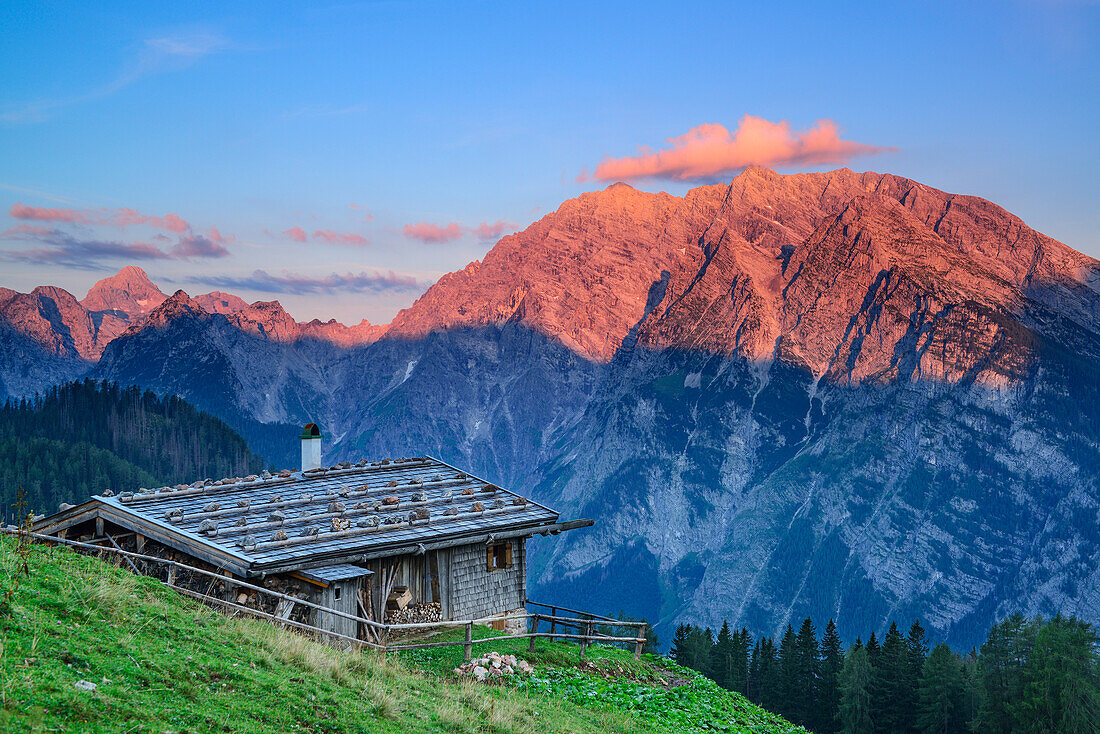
(710, 151)
(340, 238)
(332, 237)
(122, 217)
(155, 56)
(294, 284)
(439, 233)
(61, 248)
(435, 233)
(367, 215)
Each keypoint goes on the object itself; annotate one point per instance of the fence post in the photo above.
(587, 635)
(534, 631)
(553, 621)
(639, 644)
(468, 648)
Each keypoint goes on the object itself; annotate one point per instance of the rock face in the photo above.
(832, 395)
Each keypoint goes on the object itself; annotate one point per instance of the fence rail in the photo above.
(381, 632)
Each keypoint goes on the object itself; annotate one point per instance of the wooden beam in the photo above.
(308, 580)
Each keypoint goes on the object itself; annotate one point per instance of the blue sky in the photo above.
(255, 120)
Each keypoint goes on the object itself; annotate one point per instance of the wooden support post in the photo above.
(534, 631)
(587, 636)
(171, 574)
(99, 527)
(230, 591)
(638, 648)
(468, 648)
(139, 542)
(553, 622)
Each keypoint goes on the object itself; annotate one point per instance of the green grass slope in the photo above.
(162, 663)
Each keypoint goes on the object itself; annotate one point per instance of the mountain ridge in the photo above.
(786, 396)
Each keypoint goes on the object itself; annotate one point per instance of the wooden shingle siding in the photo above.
(476, 592)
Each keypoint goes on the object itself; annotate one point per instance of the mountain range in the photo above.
(832, 394)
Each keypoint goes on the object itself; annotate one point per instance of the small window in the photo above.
(498, 556)
(336, 593)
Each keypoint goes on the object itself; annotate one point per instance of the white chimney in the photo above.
(311, 447)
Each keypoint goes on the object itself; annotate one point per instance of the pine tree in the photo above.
(766, 684)
(788, 675)
(831, 654)
(739, 665)
(807, 670)
(916, 650)
(855, 693)
(1000, 674)
(753, 682)
(942, 694)
(702, 642)
(873, 650)
(679, 649)
(891, 688)
(721, 658)
(1061, 678)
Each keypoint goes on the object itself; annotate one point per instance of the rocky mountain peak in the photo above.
(129, 293)
(178, 306)
(268, 319)
(218, 302)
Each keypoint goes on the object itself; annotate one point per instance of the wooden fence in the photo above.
(586, 627)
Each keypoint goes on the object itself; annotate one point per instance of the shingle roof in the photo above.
(339, 572)
(340, 513)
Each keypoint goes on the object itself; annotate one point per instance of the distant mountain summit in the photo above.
(128, 294)
(218, 302)
(47, 336)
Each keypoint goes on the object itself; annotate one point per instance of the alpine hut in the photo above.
(395, 540)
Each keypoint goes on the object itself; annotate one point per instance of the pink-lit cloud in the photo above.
(214, 235)
(340, 238)
(486, 231)
(129, 217)
(711, 151)
(121, 217)
(44, 214)
(296, 233)
(24, 231)
(429, 232)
